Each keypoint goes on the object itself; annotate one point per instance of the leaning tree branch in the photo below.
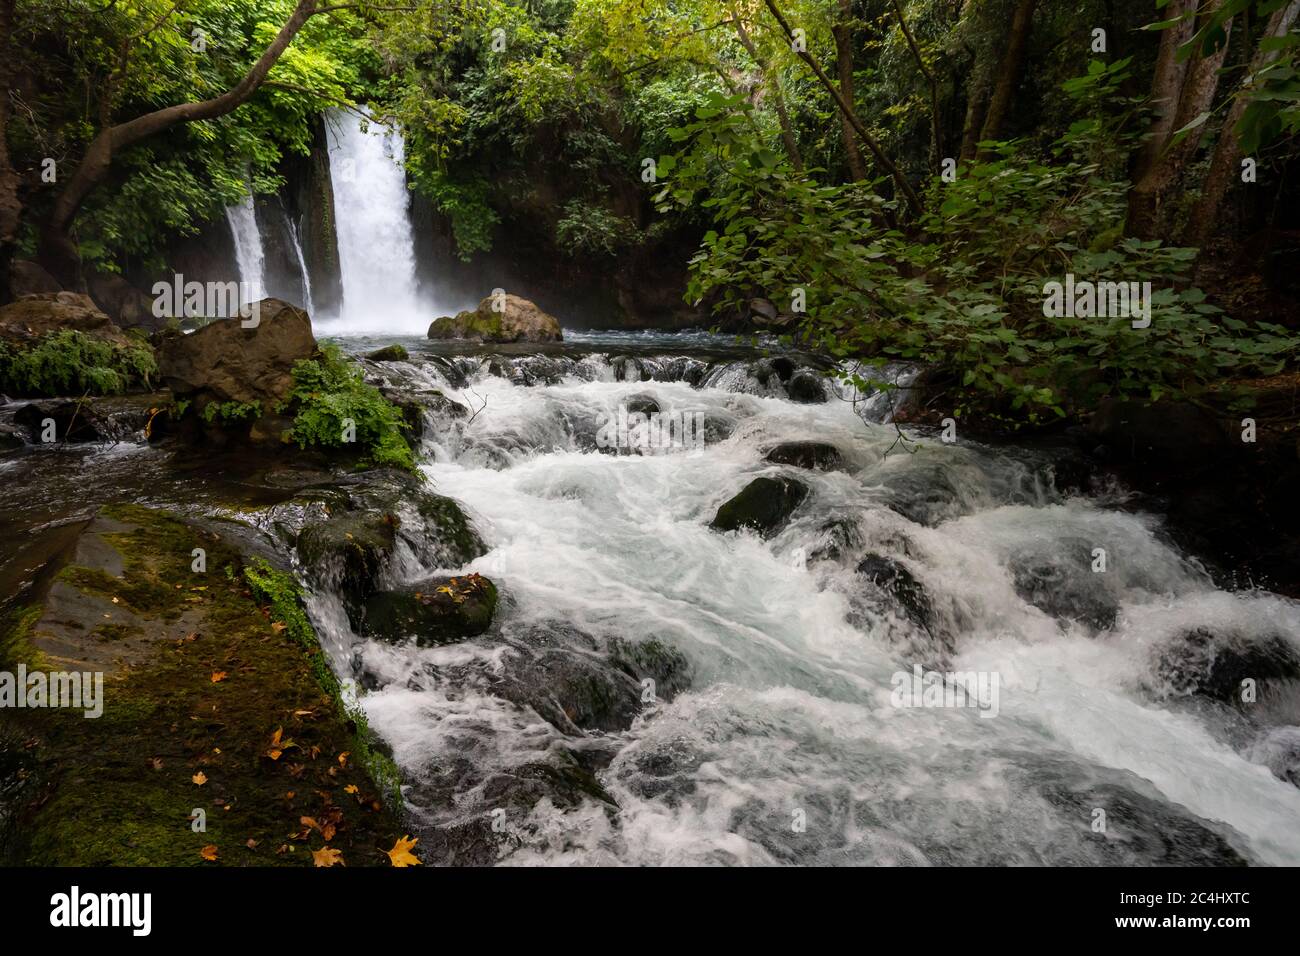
(913, 201)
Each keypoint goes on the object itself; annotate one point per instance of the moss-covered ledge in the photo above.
(217, 697)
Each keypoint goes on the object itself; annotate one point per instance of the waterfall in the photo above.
(249, 254)
(292, 230)
(373, 222)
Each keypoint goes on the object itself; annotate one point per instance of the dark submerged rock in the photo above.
(806, 388)
(1064, 585)
(74, 421)
(764, 505)
(814, 455)
(892, 578)
(1206, 663)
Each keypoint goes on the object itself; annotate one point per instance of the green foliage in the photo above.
(965, 290)
(91, 64)
(592, 230)
(329, 391)
(71, 362)
(230, 412)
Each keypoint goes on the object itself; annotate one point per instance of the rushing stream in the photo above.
(781, 743)
(772, 732)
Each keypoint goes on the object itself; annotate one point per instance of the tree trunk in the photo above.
(930, 78)
(976, 104)
(843, 35)
(1227, 152)
(1166, 86)
(58, 253)
(773, 84)
(11, 208)
(1200, 80)
(900, 181)
(1009, 70)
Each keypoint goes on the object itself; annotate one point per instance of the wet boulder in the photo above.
(125, 304)
(764, 505)
(893, 579)
(814, 455)
(72, 421)
(516, 320)
(349, 552)
(806, 387)
(226, 362)
(652, 660)
(573, 690)
(1214, 664)
(642, 404)
(417, 404)
(438, 610)
(390, 353)
(1064, 586)
(28, 278)
(32, 317)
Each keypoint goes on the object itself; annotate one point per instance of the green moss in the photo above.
(16, 623)
(390, 353)
(121, 787)
(115, 632)
(140, 593)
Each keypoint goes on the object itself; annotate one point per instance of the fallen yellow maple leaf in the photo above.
(218, 676)
(401, 854)
(328, 856)
(350, 788)
(209, 853)
(277, 626)
(200, 778)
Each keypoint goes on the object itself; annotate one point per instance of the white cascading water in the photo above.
(291, 228)
(788, 709)
(376, 240)
(249, 255)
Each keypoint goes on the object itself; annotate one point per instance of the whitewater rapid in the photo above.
(786, 746)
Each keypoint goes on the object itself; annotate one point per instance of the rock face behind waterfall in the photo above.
(517, 321)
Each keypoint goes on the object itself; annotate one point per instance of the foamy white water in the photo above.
(249, 254)
(373, 226)
(787, 748)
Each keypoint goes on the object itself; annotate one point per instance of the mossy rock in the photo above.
(230, 708)
(349, 550)
(439, 610)
(390, 353)
(764, 505)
